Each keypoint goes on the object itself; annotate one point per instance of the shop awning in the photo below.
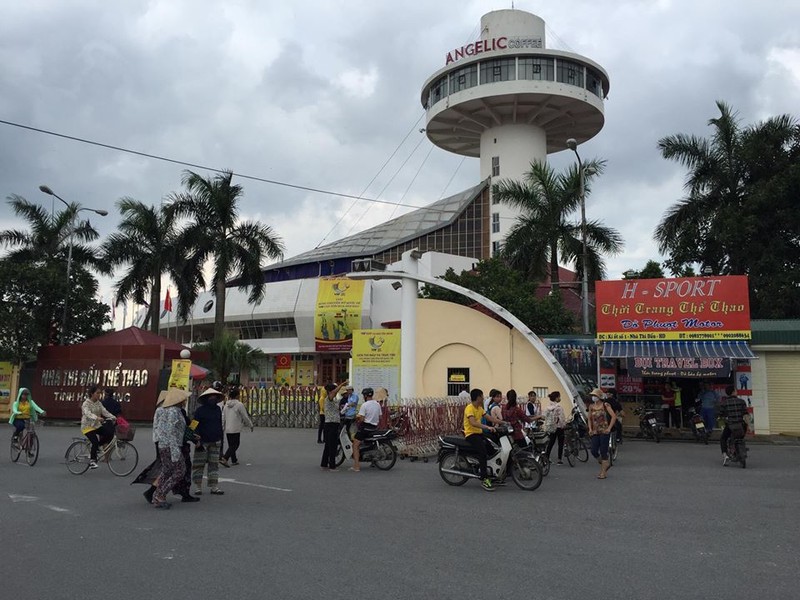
(710, 349)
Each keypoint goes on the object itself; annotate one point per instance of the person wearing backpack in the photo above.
(554, 423)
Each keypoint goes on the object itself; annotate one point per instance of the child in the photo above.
(23, 410)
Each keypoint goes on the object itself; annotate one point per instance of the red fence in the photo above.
(420, 422)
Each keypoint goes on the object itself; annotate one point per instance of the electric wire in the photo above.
(453, 176)
(410, 183)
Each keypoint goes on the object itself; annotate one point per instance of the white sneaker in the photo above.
(93, 465)
(725, 460)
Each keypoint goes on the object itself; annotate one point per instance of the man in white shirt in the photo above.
(464, 394)
(369, 415)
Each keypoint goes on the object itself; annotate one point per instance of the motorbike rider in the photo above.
(473, 433)
(733, 409)
(369, 415)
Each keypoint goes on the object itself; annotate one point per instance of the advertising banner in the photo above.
(667, 366)
(181, 373)
(685, 308)
(337, 314)
(5, 380)
(630, 385)
(577, 356)
(376, 360)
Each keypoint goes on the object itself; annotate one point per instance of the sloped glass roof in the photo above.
(391, 233)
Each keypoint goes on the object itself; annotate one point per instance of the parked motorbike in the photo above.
(458, 463)
(648, 423)
(698, 427)
(737, 449)
(537, 440)
(377, 449)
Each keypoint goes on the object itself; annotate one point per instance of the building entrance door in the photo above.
(333, 369)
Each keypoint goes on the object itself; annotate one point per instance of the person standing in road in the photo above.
(473, 433)
(209, 427)
(556, 421)
(331, 427)
(97, 424)
(600, 429)
(668, 406)
(234, 419)
(708, 399)
(464, 393)
(321, 427)
(169, 427)
(369, 415)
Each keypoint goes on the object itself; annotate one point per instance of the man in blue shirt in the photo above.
(708, 399)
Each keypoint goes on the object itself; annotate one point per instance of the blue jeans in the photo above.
(709, 418)
(600, 445)
(19, 425)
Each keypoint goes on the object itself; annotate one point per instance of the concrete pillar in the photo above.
(408, 327)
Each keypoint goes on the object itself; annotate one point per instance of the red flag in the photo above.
(168, 302)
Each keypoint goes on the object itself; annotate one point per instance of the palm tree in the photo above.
(236, 248)
(147, 241)
(543, 234)
(712, 224)
(49, 236)
(228, 354)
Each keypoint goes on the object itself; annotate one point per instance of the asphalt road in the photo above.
(669, 522)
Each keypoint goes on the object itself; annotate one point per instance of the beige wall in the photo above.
(451, 335)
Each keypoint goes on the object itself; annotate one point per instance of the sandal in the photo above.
(217, 492)
(602, 476)
(355, 470)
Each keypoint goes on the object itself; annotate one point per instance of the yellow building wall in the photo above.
(452, 335)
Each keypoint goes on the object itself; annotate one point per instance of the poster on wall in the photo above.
(376, 360)
(682, 308)
(5, 380)
(743, 378)
(305, 372)
(577, 356)
(630, 386)
(181, 372)
(337, 314)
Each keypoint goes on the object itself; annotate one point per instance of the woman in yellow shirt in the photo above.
(23, 410)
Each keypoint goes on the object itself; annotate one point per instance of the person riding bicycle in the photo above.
(97, 424)
(369, 415)
(733, 409)
(23, 410)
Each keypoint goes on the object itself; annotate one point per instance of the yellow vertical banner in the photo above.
(337, 314)
(6, 369)
(179, 377)
(376, 360)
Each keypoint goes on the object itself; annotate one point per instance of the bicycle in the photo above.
(27, 442)
(575, 447)
(613, 447)
(121, 456)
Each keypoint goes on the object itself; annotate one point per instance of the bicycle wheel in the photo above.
(582, 453)
(32, 452)
(526, 471)
(122, 459)
(15, 449)
(613, 450)
(77, 457)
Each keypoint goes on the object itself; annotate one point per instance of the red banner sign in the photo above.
(686, 308)
(630, 385)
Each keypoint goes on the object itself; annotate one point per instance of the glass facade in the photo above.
(531, 68)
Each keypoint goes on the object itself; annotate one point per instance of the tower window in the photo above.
(495, 222)
(495, 166)
(495, 248)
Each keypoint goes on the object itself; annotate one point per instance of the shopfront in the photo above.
(664, 341)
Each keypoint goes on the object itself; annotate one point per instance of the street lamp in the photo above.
(102, 213)
(572, 144)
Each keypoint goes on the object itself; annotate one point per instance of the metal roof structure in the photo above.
(775, 332)
(392, 233)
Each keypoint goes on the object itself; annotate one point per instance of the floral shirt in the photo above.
(168, 427)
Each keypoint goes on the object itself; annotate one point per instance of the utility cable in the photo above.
(410, 183)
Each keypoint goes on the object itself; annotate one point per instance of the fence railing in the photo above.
(418, 422)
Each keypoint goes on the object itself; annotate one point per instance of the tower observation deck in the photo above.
(509, 100)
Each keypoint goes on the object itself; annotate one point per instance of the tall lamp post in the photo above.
(78, 207)
(572, 144)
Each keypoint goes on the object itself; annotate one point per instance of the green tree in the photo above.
(229, 355)
(545, 232)
(652, 270)
(236, 248)
(32, 303)
(148, 242)
(508, 287)
(48, 236)
(740, 214)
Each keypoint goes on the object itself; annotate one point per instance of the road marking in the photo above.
(258, 485)
(57, 509)
(19, 498)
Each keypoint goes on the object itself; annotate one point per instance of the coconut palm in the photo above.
(228, 354)
(49, 236)
(236, 248)
(544, 234)
(712, 224)
(148, 243)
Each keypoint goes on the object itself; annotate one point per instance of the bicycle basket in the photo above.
(125, 434)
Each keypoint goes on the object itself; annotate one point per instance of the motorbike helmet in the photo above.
(367, 392)
(217, 385)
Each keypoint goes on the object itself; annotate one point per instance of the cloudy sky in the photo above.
(320, 93)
